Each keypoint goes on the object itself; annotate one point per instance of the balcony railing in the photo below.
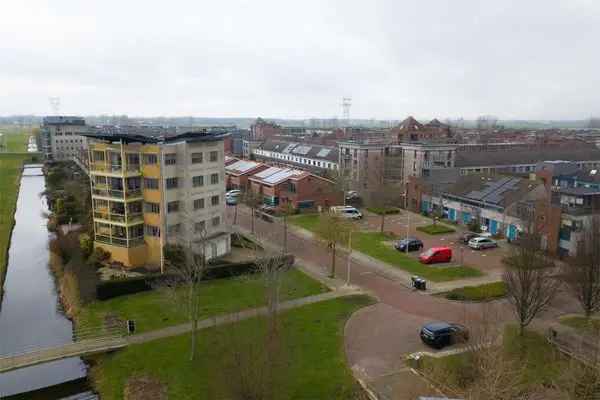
(577, 210)
(119, 194)
(120, 241)
(115, 168)
(115, 217)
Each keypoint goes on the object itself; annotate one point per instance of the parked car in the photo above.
(468, 236)
(352, 195)
(347, 212)
(231, 200)
(234, 192)
(480, 243)
(436, 255)
(441, 334)
(413, 244)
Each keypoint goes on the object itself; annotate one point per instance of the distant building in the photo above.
(150, 190)
(315, 158)
(62, 138)
(411, 130)
(262, 130)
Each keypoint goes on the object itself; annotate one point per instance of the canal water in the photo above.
(30, 314)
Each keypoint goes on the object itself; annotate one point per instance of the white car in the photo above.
(233, 193)
(480, 243)
(347, 212)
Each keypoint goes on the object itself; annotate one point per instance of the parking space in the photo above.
(488, 261)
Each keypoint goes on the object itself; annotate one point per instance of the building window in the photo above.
(214, 156)
(214, 179)
(214, 200)
(150, 159)
(98, 156)
(153, 208)
(171, 159)
(196, 158)
(172, 183)
(172, 206)
(199, 227)
(198, 181)
(216, 221)
(150, 183)
(151, 230)
(198, 204)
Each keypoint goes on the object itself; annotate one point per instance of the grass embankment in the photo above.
(541, 363)
(312, 344)
(485, 292)
(374, 245)
(437, 229)
(10, 176)
(153, 309)
(589, 326)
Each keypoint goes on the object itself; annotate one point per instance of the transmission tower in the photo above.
(346, 103)
(54, 104)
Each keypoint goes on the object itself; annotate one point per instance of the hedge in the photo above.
(384, 210)
(121, 287)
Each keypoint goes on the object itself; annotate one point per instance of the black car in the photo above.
(413, 244)
(440, 334)
(468, 236)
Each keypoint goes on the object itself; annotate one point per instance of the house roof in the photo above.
(497, 190)
(410, 124)
(307, 150)
(529, 156)
(241, 167)
(158, 136)
(63, 120)
(275, 175)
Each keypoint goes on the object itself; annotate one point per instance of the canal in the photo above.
(30, 313)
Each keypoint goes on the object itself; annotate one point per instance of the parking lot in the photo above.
(488, 261)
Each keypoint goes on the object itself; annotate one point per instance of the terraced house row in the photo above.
(152, 189)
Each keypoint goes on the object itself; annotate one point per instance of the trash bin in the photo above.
(413, 280)
(421, 284)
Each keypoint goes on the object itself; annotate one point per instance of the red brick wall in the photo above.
(321, 191)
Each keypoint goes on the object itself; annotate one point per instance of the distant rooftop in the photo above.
(158, 135)
(63, 120)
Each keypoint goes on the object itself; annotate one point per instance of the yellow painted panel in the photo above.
(152, 196)
(129, 257)
(153, 252)
(152, 219)
(150, 148)
(151, 171)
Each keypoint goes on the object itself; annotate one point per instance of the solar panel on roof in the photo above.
(289, 147)
(303, 150)
(267, 172)
(323, 152)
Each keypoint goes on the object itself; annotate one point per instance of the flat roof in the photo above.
(242, 166)
(203, 135)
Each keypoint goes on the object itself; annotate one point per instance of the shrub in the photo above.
(488, 291)
(384, 210)
(86, 244)
(474, 226)
(435, 229)
(98, 256)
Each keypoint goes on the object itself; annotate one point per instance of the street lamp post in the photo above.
(348, 260)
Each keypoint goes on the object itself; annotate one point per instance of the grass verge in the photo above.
(485, 292)
(373, 244)
(309, 222)
(312, 341)
(437, 229)
(153, 310)
(10, 176)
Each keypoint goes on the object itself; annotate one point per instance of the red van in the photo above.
(436, 255)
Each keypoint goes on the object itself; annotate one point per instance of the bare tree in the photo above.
(252, 200)
(286, 210)
(529, 278)
(332, 230)
(381, 201)
(185, 265)
(582, 273)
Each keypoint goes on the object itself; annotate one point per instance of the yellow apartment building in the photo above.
(150, 190)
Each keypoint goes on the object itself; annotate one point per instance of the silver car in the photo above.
(480, 243)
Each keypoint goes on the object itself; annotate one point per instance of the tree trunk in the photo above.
(235, 214)
(382, 222)
(284, 234)
(252, 217)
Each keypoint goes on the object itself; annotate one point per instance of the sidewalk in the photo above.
(235, 317)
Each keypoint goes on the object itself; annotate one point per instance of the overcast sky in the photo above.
(529, 59)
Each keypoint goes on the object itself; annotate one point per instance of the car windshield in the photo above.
(428, 253)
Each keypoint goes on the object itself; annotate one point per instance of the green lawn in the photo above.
(152, 310)
(582, 324)
(372, 244)
(15, 138)
(541, 363)
(307, 221)
(10, 175)
(312, 345)
(437, 229)
(488, 291)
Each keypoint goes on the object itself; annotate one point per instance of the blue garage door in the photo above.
(511, 232)
(493, 226)
(425, 206)
(466, 217)
(452, 214)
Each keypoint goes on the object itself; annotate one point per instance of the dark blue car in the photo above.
(413, 244)
(441, 334)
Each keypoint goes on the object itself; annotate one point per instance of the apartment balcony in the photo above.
(129, 194)
(115, 169)
(577, 210)
(432, 164)
(120, 241)
(131, 218)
